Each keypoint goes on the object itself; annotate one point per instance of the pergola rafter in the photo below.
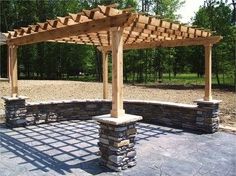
(43, 33)
(81, 26)
(112, 29)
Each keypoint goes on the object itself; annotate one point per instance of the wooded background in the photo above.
(80, 62)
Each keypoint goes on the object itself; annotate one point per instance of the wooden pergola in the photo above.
(113, 30)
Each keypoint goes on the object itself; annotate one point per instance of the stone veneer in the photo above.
(208, 115)
(117, 141)
(116, 145)
(204, 116)
(15, 111)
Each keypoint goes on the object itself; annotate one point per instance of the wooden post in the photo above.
(117, 72)
(8, 64)
(208, 68)
(105, 74)
(13, 70)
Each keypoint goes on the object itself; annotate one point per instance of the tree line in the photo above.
(48, 60)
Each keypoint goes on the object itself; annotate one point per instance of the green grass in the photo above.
(83, 78)
(180, 79)
(192, 79)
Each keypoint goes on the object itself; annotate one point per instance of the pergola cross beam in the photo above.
(169, 43)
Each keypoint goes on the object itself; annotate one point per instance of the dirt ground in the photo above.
(64, 90)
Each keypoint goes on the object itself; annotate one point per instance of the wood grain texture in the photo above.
(208, 72)
(117, 72)
(105, 74)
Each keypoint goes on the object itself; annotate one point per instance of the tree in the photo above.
(167, 8)
(65, 61)
(217, 16)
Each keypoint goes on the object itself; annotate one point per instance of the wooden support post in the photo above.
(13, 70)
(105, 74)
(8, 64)
(208, 68)
(117, 72)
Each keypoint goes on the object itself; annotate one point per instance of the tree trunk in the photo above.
(98, 65)
(160, 75)
(235, 62)
(125, 73)
(169, 74)
(217, 69)
(146, 67)
(175, 67)
(133, 70)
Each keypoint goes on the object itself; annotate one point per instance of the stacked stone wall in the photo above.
(204, 116)
(15, 111)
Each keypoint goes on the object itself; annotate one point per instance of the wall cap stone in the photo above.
(162, 103)
(9, 98)
(208, 102)
(103, 100)
(124, 119)
(66, 101)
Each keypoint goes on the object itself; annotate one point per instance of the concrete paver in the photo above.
(70, 148)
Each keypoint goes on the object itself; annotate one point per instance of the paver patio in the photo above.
(70, 148)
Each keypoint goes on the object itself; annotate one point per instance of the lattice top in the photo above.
(92, 27)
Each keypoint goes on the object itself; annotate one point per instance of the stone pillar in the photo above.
(15, 111)
(117, 141)
(207, 119)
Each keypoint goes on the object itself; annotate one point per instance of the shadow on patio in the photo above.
(64, 146)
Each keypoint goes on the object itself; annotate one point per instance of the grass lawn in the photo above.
(192, 79)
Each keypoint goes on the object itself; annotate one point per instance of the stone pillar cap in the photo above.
(208, 102)
(9, 98)
(124, 119)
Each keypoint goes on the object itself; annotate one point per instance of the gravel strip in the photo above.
(65, 90)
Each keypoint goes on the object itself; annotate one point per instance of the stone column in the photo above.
(117, 141)
(207, 119)
(15, 111)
